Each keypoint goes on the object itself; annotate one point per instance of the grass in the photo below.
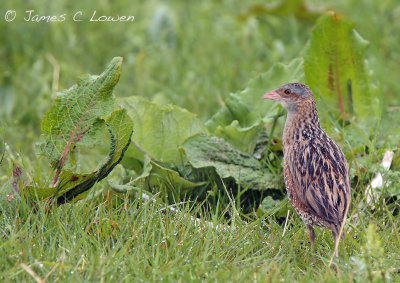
(200, 54)
(116, 239)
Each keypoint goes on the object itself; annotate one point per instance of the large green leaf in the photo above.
(204, 151)
(152, 176)
(71, 185)
(160, 130)
(334, 68)
(239, 122)
(76, 117)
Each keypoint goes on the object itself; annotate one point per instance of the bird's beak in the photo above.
(271, 95)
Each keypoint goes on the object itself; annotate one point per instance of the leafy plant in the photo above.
(204, 151)
(151, 177)
(159, 129)
(335, 70)
(78, 118)
(71, 185)
(170, 141)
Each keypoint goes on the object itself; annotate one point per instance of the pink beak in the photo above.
(271, 95)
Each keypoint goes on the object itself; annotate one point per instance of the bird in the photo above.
(316, 171)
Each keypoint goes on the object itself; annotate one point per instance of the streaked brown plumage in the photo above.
(315, 168)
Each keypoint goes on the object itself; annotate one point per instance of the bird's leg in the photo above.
(336, 239)
(312, 240)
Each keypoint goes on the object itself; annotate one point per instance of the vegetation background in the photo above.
(192, 54)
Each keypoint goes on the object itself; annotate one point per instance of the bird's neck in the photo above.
(299, 121)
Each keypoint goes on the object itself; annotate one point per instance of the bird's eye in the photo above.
(287, 91)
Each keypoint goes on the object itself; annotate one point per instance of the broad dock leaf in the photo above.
(334, 68)
(71, 185)
(159, 129)
(152, 176)
(76, 117)
(204, 151)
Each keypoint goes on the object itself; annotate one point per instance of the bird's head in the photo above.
(291, 95)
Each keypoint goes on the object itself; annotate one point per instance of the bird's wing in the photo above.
(322, 177)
